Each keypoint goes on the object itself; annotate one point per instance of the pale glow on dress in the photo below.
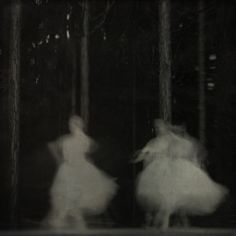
(173, 179)
(79, 188)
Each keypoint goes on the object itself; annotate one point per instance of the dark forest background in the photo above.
(123, 93)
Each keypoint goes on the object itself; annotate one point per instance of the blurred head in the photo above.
(76, 124)
(178, 129)
(160, 126)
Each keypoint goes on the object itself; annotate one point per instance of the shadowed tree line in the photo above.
(123, 67)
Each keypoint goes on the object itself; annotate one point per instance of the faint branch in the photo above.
(80, 4)
(103, 16)
(108, 6)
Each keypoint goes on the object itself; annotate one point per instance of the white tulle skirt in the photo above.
(82, 187)
(178, 185)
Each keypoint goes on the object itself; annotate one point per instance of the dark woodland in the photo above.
(105, 64)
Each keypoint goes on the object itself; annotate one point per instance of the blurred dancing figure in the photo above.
(79, 187)
(173, 179)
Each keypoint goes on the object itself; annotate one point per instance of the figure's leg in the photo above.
(158, 219)
(56, 219)
(165, 223)
(79, 221)
(162, 219)
(149, 219)
(184, 219)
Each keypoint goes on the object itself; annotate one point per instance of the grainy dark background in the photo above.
(123, 95)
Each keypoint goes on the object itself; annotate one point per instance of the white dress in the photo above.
(173, 180)
(79, 187)
(178, 185)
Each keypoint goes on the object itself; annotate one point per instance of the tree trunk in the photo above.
(225, 129)
(134, 122)
(201, 63)
(71, 56)
(165, 60)
(73, 76)
(85, 65)
(14, 102)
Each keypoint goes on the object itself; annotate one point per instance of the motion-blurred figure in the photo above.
(174, 179)
(79, 187)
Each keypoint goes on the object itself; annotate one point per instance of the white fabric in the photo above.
(172, 179)
(79, 187)
(177, 184)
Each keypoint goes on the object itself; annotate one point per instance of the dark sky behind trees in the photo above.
(124, 69)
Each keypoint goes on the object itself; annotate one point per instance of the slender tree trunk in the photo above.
(225, 116)
(85, 65)
(134, 121)
(14, 102)
(165, 60)
(73, 75)
(201, 63)
(71, 57)
(70, 69)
